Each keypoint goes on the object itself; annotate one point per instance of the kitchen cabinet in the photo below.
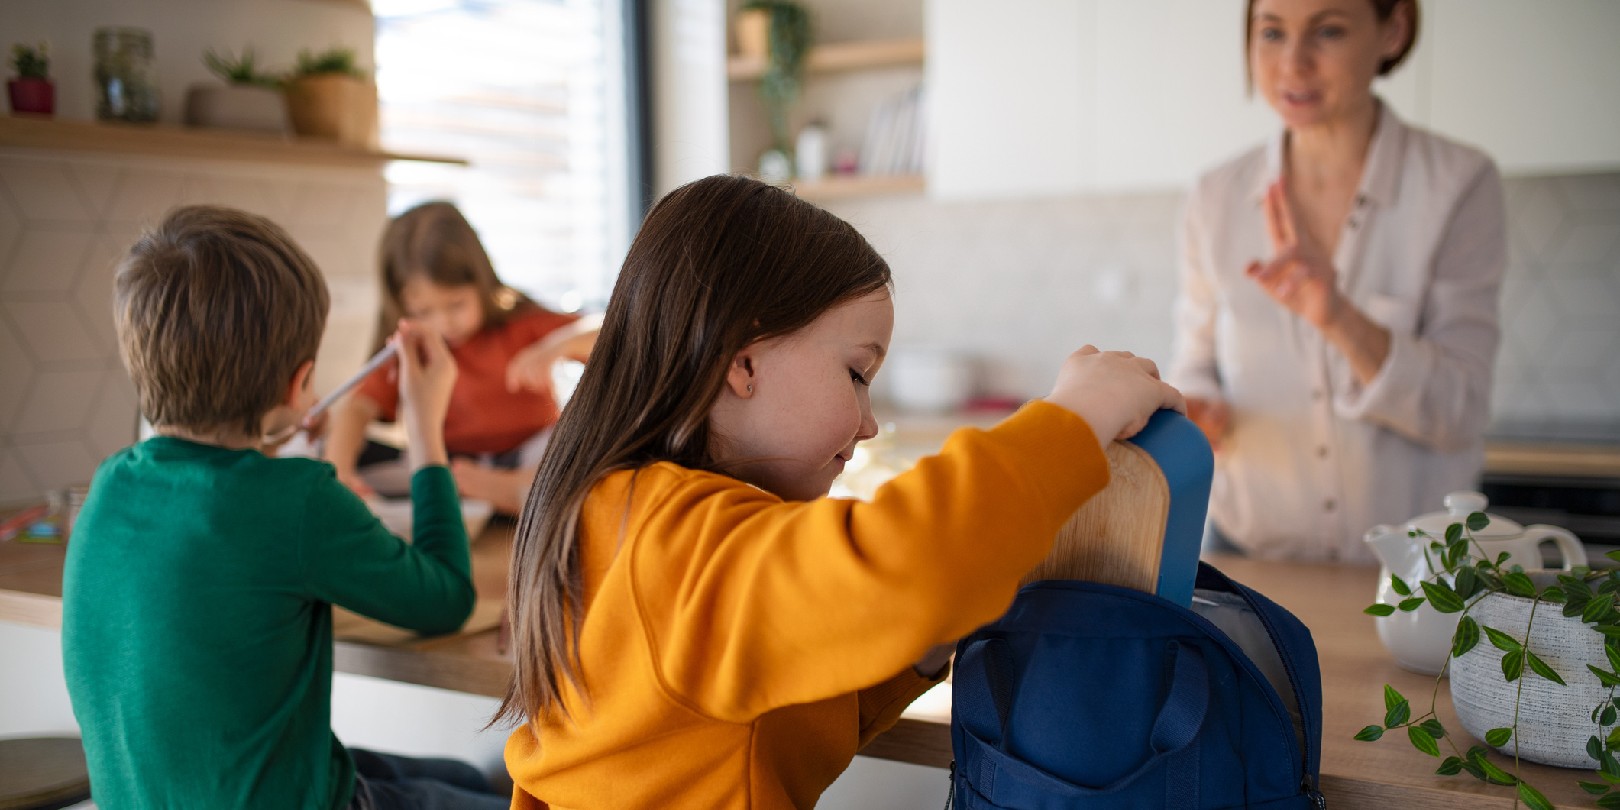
(844, 82)
(1533, 84)
(1053, 97)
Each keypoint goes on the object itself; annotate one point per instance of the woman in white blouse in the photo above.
(1337, 321)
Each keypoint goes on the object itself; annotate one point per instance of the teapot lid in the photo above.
(1459, 505)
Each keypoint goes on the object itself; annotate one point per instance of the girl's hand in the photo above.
(1212, 416)
(1115, 392)
(427, 374)
(531, 368)
(1299, 275)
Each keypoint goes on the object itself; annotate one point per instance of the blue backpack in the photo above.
(1087, 696)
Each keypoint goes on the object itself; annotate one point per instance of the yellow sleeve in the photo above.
(881, 705)
(751, 603)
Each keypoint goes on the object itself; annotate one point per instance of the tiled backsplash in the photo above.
(65, 401)
(1017, 285)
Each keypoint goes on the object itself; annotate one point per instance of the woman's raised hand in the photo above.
(1115, 392)
(1299, 275)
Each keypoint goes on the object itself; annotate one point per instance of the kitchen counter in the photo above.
(1329, 599)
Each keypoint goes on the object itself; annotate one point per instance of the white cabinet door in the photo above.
(1171, 102)
(1010, 84)
(1536, 85)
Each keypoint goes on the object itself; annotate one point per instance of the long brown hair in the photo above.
(718, 264)
(1384, 9)
(435, 242)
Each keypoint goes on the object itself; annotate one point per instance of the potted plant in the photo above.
(31, 91)
(250, 99)
(788, 36)
(1543, 683)
(329, 96)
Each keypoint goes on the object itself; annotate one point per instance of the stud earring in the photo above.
(750, 388)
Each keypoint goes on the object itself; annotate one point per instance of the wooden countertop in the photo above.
(1329, 599)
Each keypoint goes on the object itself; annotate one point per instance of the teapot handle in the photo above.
(1569, 547)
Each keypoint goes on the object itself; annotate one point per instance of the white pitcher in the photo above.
(1421, 639)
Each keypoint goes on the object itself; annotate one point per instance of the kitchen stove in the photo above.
(1561, 473)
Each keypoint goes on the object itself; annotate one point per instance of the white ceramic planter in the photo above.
(1554, 721)
(239, 107)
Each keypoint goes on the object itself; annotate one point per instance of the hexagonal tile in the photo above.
(52, 331)
(1585, 291)
(18, 372)
(1586, 238)
(57, 401)
(15, 488)
(93, 291)
(1590, 192)
(1536, 218)
(44, 261)
(97, 182)
(1587, 348)
(44, 191)
(257, 195)
(11, 227)
(142, 196)
(112, 424)
(56, 464)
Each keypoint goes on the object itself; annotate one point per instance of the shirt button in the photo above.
(1353, 224)
(1329, 504)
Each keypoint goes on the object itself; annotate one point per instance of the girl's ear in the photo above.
(740, 375)
(299, 383)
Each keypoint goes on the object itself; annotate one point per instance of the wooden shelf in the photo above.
(175, 142)
(843, 187)
(837, 56)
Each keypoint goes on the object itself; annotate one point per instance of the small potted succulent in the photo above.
(31, 91)
(1534, 666)
(329, 96)
(250, 99)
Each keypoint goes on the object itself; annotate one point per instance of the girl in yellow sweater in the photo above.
(695, 623)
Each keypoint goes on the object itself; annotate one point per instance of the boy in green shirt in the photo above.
(197, 599)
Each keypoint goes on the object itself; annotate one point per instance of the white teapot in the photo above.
(1421, 639)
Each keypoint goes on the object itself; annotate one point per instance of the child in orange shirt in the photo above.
(435, 270)
(695, 623)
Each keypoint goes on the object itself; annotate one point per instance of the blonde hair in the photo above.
(215, 310)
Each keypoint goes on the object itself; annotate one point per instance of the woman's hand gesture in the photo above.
(1299, 274)
(530, 369)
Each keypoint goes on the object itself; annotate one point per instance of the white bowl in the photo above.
(395, 513)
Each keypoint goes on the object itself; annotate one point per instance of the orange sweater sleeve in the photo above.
(749, 603)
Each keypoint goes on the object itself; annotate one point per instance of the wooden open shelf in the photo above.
(156, 140)
(837, 56)
(839, 187)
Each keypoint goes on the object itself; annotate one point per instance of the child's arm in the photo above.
(531, 368)
(346, 434)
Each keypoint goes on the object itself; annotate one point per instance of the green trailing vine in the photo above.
(788, 42)
(1466, 579)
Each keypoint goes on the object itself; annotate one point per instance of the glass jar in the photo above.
(126, 80)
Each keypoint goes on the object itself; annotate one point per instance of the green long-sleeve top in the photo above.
(197, 619)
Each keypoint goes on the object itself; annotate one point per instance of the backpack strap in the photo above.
(1298, 653)
(1004, 778)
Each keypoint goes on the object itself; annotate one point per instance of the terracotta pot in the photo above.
(753, 30)
(335, 107)
(36, 96)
